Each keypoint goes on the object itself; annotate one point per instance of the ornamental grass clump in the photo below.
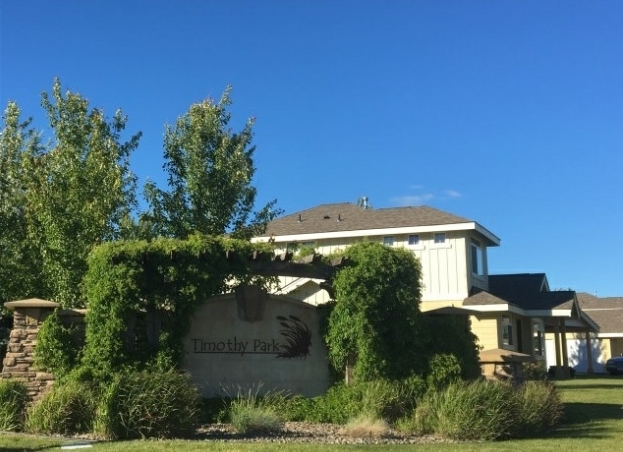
(539, 409)
(68, 409)
(13, 401)
(487, 410)
(468, 411)
(148, 405)
(248, 414)
(366, 426)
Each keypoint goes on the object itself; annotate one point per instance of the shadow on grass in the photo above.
(588, 420)
(616, 387)
(28, 449)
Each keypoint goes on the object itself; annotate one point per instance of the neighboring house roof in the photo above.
(606, 312)
(529, 294)
(517, 285)
(483, 298)
(343, 219)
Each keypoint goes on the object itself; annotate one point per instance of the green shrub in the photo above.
(339, 404)
(148, 405)
(57, 348)
(468, 411)
(13, 399)
(392, 400)
(385, 399)
(535, 371)
(443, 369)
(487, 410)
(67, 409)
(290, 408)
(539, 408)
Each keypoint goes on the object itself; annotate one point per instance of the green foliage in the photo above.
(210, 169)
(487, 410)
(451, 335)
(384, 399)
(68, 409)
(443, 370)
(468, 411)
(249, 413)
(339, 404)
(57, 200)
(57, 349)
(148, 405)
(142, 295)
(539, 409)
(20, 268)
(13, 399)
(535, 371)
(375, 322)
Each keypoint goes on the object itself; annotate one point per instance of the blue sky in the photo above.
(509, 113)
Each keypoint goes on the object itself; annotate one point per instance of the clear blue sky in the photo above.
(509, 113)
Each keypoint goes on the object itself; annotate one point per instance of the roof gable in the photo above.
(606, 312)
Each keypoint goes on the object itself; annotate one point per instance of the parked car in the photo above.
(615, 365)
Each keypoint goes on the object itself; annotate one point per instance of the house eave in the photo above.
(609, 335)
(470, 226)
(503, 307)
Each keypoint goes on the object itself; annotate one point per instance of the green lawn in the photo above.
(593, 421)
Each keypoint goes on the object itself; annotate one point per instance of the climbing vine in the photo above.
(375, 325)
(141, 296)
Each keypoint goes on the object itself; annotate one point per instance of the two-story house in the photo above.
(508, 312)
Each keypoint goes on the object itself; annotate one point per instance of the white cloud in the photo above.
(412, 200)
(420, 199)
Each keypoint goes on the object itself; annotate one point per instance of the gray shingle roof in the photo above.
(349, 217)
(606, 312)
(524, 290)
(517, 286)
(483, 298)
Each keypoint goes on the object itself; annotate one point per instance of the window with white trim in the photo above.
(414, 240)
(439, 238)
(477, 257)
(388, 240)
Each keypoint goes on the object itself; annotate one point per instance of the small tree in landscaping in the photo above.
(375, 323)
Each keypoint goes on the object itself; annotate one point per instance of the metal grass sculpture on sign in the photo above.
(297, 335)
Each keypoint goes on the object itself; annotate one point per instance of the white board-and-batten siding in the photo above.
(446, 267)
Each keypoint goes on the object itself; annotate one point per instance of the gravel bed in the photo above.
(303, 432)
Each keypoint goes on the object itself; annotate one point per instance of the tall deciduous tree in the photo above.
(19, 265)
(79, 189)
(210, 169)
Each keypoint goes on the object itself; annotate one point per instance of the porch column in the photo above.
(565, 357)
(589, 353)
(557, 348)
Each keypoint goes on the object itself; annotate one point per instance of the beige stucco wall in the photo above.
(226, 354)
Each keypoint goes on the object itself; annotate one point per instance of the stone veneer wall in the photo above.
(28, 315)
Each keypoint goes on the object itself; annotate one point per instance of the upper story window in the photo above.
(414, 240)
(439, 238)
(477, 258)
(388, 240)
